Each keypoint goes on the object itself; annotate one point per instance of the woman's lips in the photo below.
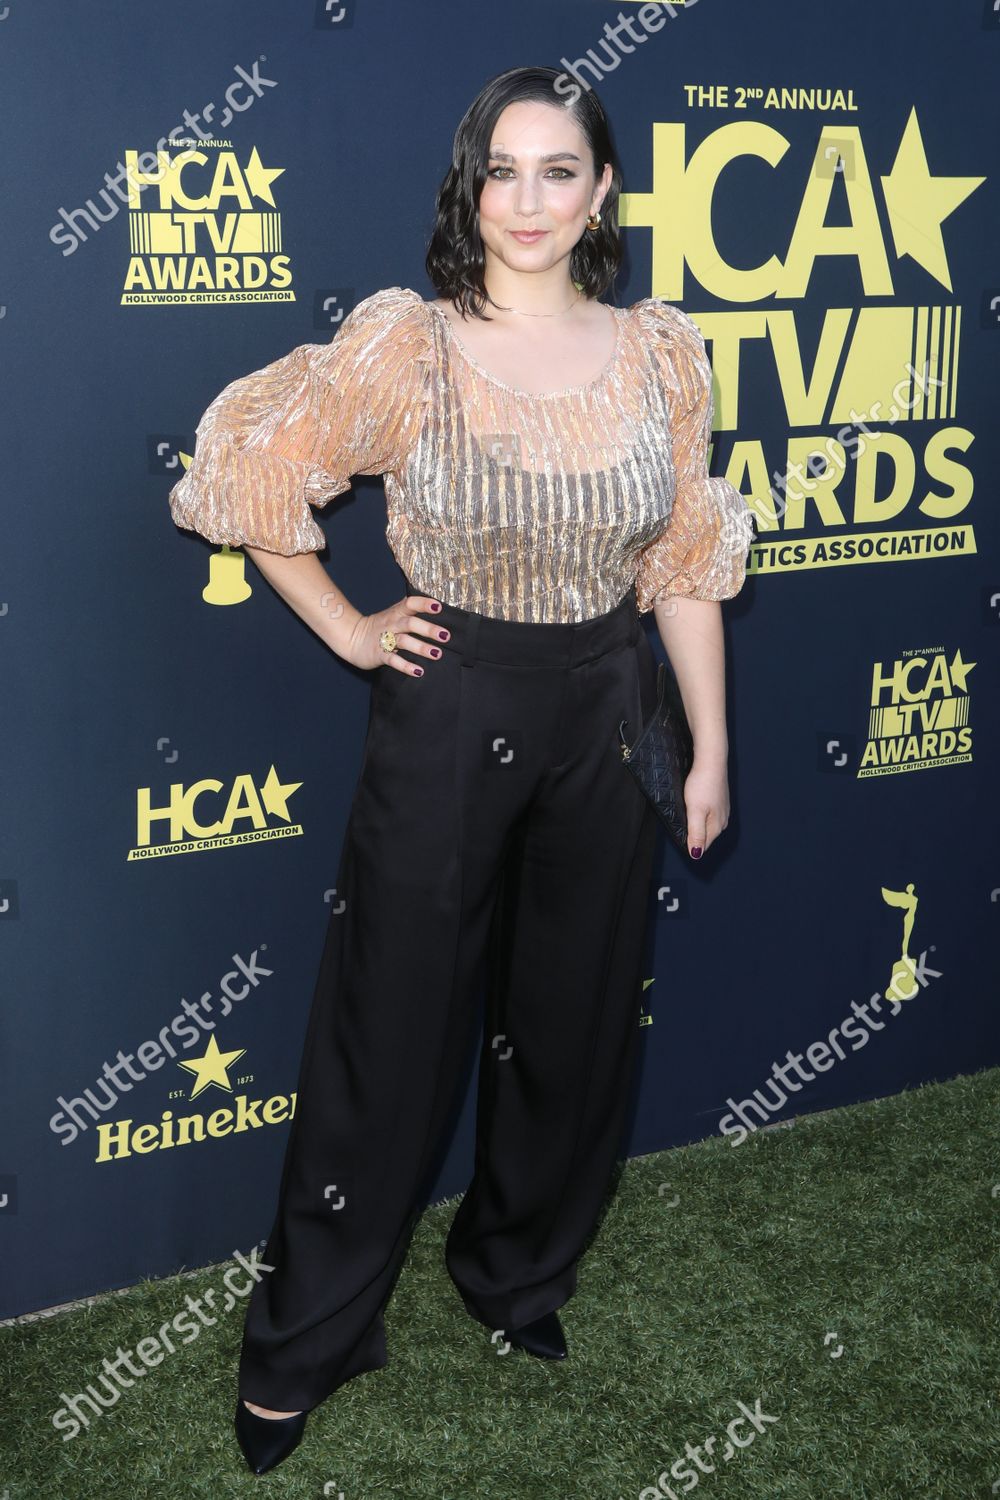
(528, 236)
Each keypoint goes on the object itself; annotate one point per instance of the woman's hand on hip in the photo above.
(421, 637)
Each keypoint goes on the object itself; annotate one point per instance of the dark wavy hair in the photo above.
(456, 261)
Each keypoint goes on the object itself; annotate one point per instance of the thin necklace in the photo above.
(559, 314)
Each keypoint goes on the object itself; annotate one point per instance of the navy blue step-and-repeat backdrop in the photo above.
(180, 752)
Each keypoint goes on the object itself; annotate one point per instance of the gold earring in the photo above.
(594, 221)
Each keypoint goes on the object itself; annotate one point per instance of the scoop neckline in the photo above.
(569, 390)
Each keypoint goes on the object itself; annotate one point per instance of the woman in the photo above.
(545, 477)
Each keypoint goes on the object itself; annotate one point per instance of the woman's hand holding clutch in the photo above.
(706, 798)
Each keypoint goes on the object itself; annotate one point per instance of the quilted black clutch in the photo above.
(661, 757)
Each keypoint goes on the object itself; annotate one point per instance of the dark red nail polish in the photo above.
(435, 650)
(418, 671)
(435, 605)
(442, 635)
(696, 853)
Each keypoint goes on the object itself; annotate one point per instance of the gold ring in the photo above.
(387, 641)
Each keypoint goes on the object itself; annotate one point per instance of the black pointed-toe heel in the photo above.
(543, 1337)
(265, 1441)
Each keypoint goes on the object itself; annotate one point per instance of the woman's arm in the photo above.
(698, 560)
(307, 588)
(282, 439)
(691, 632)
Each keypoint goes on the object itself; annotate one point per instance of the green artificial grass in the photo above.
(718, 1275)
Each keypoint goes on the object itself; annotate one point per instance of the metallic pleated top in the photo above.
(523, 506)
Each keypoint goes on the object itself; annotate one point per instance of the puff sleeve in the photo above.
(287, 437)
(702, 551)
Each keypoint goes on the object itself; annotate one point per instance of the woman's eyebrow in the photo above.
(552, 156)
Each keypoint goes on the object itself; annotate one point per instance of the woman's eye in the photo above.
(564, 170)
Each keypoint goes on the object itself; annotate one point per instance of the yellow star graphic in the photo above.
(275, 795)
(260, 177)
(212, 1067)
(960, 670)
(911, 190)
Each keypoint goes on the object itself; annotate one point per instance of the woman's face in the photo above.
(540, 176)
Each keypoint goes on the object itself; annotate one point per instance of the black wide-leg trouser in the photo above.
(495, 834)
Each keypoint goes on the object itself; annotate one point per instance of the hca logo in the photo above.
(919, 714)
(214, 232)
(871, 467)
(240, 814)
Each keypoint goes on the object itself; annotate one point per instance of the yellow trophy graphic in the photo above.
(227, 577)
(227, 574)
(902, 985)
